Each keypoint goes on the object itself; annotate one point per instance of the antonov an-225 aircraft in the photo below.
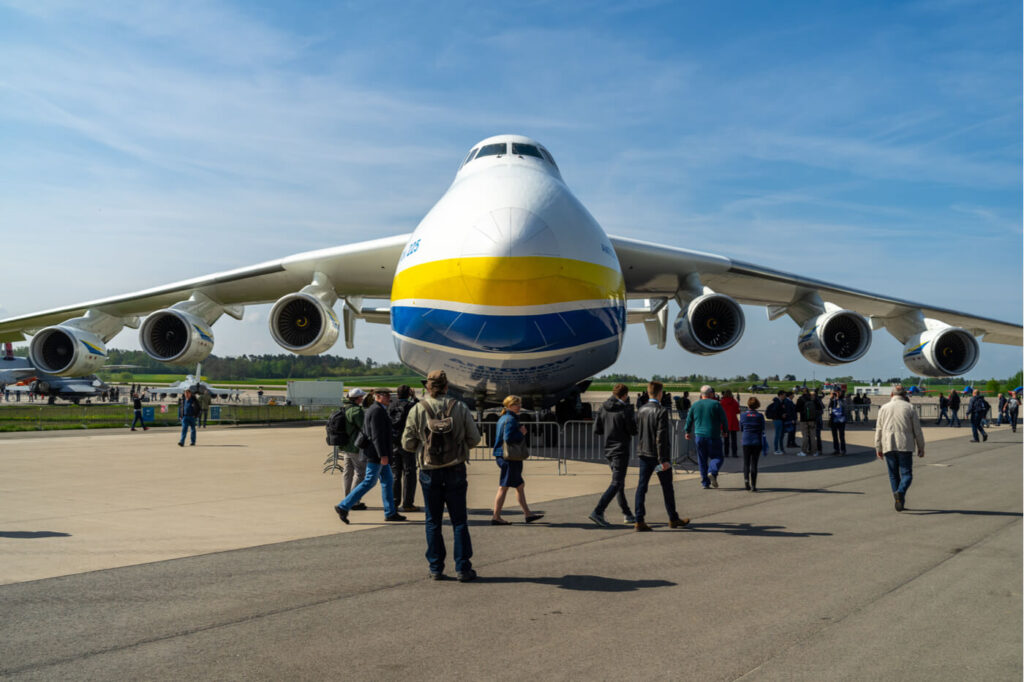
(510, 286)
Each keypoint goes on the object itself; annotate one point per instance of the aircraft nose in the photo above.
(510, 232)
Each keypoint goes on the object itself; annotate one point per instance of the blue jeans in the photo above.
(138, 419)
(1011, 416)
(944, 413)
(901, 470)
(976, 426)
(374, 470)
(446, 487)
(647, 467)
(780, 435)
(709, 457)
(953, 416)
(186, 424)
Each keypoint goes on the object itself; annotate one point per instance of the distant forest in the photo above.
(280, 366)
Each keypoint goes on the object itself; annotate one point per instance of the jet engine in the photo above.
(945, 352)
(176, 336)
(710, 324)
(303, 324)
(835, 338)
(67, 351)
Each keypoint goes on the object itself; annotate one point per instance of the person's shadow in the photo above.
(749, 529)
(32, 534)
(967, 512)
(586, 583)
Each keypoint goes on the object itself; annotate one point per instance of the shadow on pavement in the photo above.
(586, 583)
(773, 489)
(32, 534)
(854, 457)
(967, 512)
(749, 529)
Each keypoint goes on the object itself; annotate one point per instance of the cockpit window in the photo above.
(468, 157)
(547, 155)
(525, 150)
(493, 150)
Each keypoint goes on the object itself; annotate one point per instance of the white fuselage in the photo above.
(509, 284)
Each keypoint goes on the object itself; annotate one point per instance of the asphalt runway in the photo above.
(814, 577)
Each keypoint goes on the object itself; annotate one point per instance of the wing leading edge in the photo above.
(653, 271)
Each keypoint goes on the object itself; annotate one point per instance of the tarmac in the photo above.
(125, 556)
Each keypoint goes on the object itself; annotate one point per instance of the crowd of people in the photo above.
(399, 442)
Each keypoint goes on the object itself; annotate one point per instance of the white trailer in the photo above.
(315, 393)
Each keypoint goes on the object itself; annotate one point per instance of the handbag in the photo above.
(362, 441)
(516, 452)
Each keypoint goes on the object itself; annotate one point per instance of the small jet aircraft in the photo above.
(191, 382)
(510, 285)
(763, 387)
(19, 376)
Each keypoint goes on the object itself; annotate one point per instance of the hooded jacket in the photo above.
(617, 423)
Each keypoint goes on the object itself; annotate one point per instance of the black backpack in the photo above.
(772, 411)
(337, 433)
(398, 413)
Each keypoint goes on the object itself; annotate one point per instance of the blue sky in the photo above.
(877, 145)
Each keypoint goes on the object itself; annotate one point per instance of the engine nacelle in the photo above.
(835, 338)
(946, 352)
(304, 324)
(67, 351)
(177, 337)
(710, 324)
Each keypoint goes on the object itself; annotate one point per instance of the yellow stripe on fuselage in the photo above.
(519, 281)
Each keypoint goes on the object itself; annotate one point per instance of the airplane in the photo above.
(190, 383)
(510, 285)
(19, 376)
(763, 387)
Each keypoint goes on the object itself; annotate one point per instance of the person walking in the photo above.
(440, 430)
(732, 414)
(682, 409)
(189, 412)
(777, 413)
(403, 463)
(1002, 410)
(819, 421)
(137, 407)
(954, 407)
(807, 414)
(1012, 410)
(353, 462)
(837, 422)
(617, 423)
(508, 432)
(897, 434)
(705, 424)
(857, 402)
(943, 410)
(752, 424)
(976, 411)
(654, 450)
(377, 441)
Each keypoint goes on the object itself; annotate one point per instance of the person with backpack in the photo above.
(617, 423)
(440, 430)
(976, 410)
(777, 413)
(403, 463)
(682, 409)
(943, 410)
(508, 434)
(837, 421)
(752, 425)
(807, 415)
(375, 441)
(654, 450)
(353, 461)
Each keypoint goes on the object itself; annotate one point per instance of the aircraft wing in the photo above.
(361, 269)
(653, 271)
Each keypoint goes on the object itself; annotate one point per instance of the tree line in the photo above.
(277, 366)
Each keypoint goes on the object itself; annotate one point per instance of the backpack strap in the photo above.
(430, 412)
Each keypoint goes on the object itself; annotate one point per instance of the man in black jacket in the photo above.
(403, 463)
(616, 422)
(189, 410)
(976, 411)
(654, 448)
(377, 450)
(807, 413)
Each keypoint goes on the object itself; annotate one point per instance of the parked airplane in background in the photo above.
(191, 383)
(510, 286)
(763, 387)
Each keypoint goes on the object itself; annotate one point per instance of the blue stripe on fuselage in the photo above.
(508, 333)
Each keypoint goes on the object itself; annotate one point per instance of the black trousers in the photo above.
(839, 437)
(730, 445)
(751, 453)
(403, 466)
(617, 489)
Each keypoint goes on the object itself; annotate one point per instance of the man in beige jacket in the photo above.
(897, 433)
(443, 470)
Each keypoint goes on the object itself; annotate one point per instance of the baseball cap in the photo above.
(356, 393)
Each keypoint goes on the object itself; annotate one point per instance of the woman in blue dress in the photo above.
(509, 430)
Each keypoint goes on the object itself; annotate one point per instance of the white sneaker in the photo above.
(778, 452)
(801, 454)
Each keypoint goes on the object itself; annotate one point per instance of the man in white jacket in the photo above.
(897, 433)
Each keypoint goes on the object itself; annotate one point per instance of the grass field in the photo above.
(164, 379)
